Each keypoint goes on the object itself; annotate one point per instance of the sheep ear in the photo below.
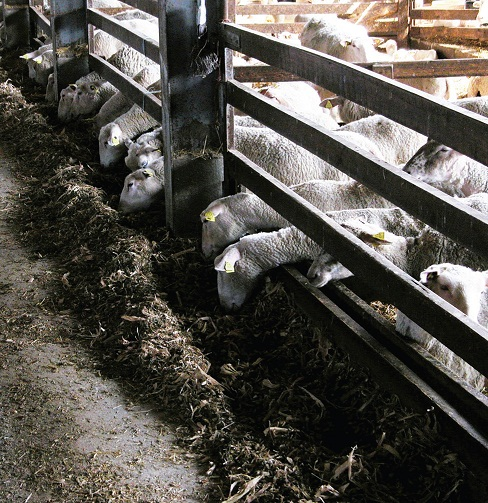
(24, 56)
(332, 102)
(148, 173)
(345, 43)
(227, 260)
(127, 142)
(73, 87)
(429, 274)
(38, 60)
(212, 212)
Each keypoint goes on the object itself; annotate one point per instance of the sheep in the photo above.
(50, 95)
(119, 103)
(345, 111)
(32, 58)
(242, 265)
(477, 104)
(477, 86)
(298, 96)
(142, 188)
(67, 96)
(463, 288)
(435, 163)
(111, 146)
(482, 16)
(288, 162)
(340, 38)
(90, 97)
(411, 254)
(144, 150)
(228, 218)
(396, 143)
(129, 61)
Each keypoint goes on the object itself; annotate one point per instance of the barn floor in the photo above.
(70, 429)
(109, 320)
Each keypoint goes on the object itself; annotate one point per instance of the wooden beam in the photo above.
(413, 108)
(449, 33)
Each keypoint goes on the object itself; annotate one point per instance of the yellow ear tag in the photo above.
(328, 104)
(115, 141)
(148, 173)
(38, 60)
(380, 236)
(210, 217)
(24, 56)
(228, 267)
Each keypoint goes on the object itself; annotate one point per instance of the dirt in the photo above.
(68, 431)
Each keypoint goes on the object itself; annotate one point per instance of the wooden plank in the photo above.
(388, 30)
(447, 32)
(293, 9)
(400, 70)
(443, 321)
(415, 109)
(392, 374)
(40, 20)
(403, 23)
(432, 206)
(138, 94)
(452, 14)
(463, 397)
(149, 6)
(136, 40)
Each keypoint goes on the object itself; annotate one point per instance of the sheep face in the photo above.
(237, 277)
(460, 286)
(325, 268)
(142, 189)
(66, 98)
(140, 156)
(434, 163)
(111, 146)
(86, 101)
(220, 226)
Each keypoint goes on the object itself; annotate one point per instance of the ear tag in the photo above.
(380, 236)
(229, 267)
(115, 141)
(210, 217)
(329, 104)
(147, 173)
(38, 60)
(25, 56)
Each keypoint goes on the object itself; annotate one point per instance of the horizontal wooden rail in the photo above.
(432, 206)
(40, 20)
(453, 14)
(447, 32)
(415, 109)
(149, 6)
(391, 372)
(136, 40)
(138, 94)
(397, 69)
(438, 317)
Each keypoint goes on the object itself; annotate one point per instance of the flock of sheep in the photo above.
(243, 235)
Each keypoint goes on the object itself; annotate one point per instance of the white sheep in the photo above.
(227, 219)
(477, 104)
(448, 169)
(142, 188)
(144, 150)
(411, 254)
(477, 86)
(90, 97)
(129, 61)
(120, 103)
(395, 142)
(67, 95)
(33, 58)
(463, 288)
(289, 162)
(242, 265)
(112, 136)
(482, 16)
(50, 95)
(340, 38)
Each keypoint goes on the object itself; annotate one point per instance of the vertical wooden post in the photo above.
(190, 110)
(403, 23)
(16, 17)
(68, 27)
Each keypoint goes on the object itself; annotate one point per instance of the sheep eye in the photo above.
(444, 288)
(130, 185)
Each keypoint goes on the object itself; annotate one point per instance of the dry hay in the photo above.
(276, 413)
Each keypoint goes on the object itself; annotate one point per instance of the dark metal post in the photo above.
(192, 137)
(68, 27)
(16, 16)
